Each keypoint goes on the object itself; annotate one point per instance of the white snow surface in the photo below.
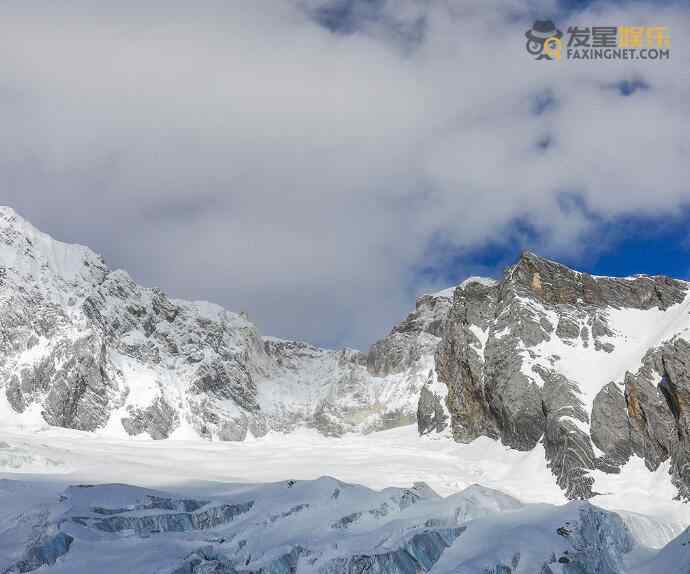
(396, 457)
(504, 501)
(635, 332)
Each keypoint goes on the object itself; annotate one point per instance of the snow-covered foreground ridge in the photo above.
(199, 508)
(296, 526)
(323, 526)
(590, 373)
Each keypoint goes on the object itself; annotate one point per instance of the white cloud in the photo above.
(240, 152)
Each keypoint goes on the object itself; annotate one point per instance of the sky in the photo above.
(320, 163)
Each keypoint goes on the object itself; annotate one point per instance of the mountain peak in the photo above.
(10, 219)
(7, 212)
(532, 260)
(30, 253)
(553, 282)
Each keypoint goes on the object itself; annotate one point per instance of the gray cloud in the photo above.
(244, 153)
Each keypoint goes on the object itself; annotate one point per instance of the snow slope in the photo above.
(633, 333)
(396, 457)
(198, 507)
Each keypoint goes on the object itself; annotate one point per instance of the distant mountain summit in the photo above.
(592, 370)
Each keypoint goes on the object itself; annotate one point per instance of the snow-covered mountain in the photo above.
(593, 368)
(591, 371)
(85, 347)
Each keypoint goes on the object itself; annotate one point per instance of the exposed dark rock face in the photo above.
(555, 284)
(79, 398)
(657, 399)
(611, 430)
(568, 448)
(503, 382)
(226, 381)
(159, 420)
(76, 384)
(459, 363)
(430, 414)
(411, 339)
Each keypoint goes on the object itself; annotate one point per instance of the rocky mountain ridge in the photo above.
(592, 368)
(85, 347)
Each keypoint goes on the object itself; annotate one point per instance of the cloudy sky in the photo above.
(318, 163)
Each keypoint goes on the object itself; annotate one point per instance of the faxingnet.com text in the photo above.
(617, 54)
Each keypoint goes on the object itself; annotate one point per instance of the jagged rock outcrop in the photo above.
(657, 422)
(542, 356)
(555, 284)
(158, 420)
(431, 416)
(460, 360)
(416, 336)
(611, 429)
(567, 447)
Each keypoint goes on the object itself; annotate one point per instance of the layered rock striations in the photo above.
(591, 368)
